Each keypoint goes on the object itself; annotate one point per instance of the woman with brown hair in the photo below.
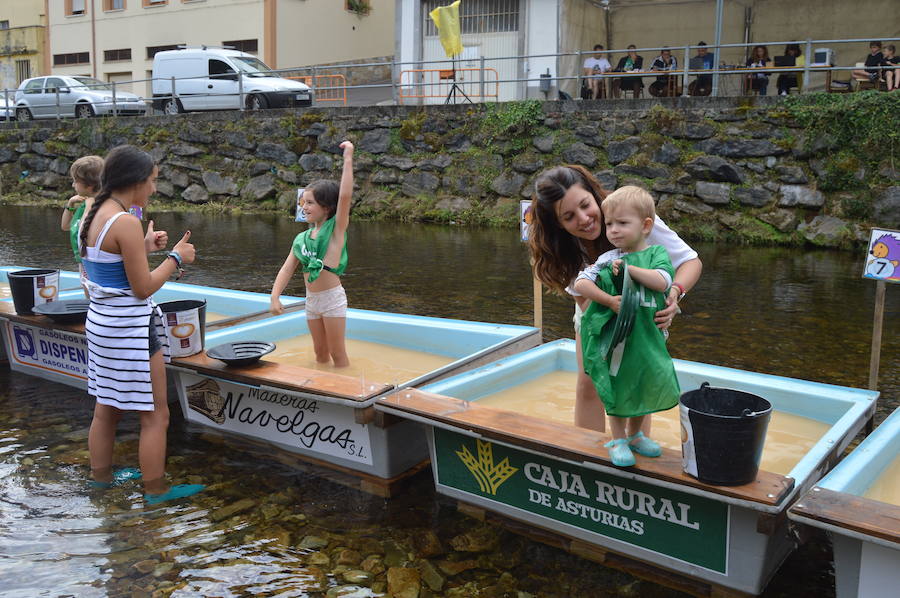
(567, 233)
(759, 59)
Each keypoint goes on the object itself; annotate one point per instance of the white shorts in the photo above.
(577, 318)
(326, 304)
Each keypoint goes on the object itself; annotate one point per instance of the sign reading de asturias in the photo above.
(689, 528)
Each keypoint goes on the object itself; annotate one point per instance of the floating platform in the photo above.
(36, 345)
(554, 480)
(326, 415)
(858, 505)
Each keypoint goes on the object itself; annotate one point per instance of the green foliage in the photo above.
(841, 172)
(511, 119)
(865, 122)
(660, 118)
(857, 206)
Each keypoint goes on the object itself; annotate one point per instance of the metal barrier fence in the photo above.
(448, 84)
(328, 88)
(413, 81)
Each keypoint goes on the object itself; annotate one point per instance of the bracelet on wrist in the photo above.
(72, 209)
(178, 261)
(681, 291)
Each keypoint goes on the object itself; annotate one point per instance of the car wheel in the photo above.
(257, 102)
(172, 106)
(84, 111)
(23, 114)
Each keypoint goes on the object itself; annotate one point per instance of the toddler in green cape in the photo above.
(635, 377)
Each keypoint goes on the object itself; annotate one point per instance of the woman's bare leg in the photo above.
(154, 430)
(101, 440)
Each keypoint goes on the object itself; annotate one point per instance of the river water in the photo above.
(268, 527)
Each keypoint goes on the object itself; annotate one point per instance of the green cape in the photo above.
(311, 251)
(643, 378)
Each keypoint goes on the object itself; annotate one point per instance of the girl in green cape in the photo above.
(633, 374)
(322, 252)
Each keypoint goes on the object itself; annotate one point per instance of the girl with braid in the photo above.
(127, 346)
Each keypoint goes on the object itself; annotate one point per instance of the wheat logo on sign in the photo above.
(489, 476)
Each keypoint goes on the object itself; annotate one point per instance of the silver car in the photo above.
(81, 97)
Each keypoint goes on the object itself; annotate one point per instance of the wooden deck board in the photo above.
(8, 312)
(286, 376)
(855, 513)
(571, 442)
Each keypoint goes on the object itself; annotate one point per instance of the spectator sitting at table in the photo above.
(664, 62)
(874, 59)
(629, 63)
(788, 80)
(891, 75)
(759, 59)
(593, 67)
(704, 60)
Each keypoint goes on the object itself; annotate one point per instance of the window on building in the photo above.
(23, 70)
(73, 58)
(113, 4)
(251, 46)
(75, 7)
(152, 50)
(155, 3)
(4, 24)
(113, 55)
(478, 16)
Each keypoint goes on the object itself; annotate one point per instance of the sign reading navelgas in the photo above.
(682, 526)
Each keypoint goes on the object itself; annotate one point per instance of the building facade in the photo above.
(22, 41)
(115, 40)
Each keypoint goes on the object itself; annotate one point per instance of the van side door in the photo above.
(223, 85)
(190, 81)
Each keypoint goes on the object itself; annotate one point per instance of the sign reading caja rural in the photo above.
(689, 528)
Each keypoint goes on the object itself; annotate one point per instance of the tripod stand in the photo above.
(454, 89)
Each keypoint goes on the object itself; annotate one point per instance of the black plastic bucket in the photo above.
(723, 432)
(32, 287)
(185, 322)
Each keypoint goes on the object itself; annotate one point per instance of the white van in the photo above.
(207, 79)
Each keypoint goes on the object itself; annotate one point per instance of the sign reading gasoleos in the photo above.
(47, 350)
(306, 424)
(689, 528)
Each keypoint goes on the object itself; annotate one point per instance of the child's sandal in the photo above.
(644, 446)
(620, 453)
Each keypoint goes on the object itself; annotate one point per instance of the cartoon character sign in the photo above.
(883, 259)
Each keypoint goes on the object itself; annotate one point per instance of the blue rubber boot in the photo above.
(179, 491)
(644, 446)
(619, 452)
(120, 476)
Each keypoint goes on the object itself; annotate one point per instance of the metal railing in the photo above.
(443, 84)
(404, 87)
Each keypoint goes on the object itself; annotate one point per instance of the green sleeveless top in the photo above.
(639, 378)
(311, 251)
(74, 225)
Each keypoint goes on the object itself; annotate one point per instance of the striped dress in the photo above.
(118, 332)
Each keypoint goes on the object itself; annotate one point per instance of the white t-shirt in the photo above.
(600, 65)
(679, 251)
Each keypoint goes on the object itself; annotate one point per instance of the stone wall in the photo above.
(719, 169)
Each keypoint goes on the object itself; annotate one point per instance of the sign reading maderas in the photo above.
(686, 527)
(301, 424)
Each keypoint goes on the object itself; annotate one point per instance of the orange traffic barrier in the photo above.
(327, 88)
(438, 83)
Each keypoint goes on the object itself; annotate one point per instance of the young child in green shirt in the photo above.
(635, 377)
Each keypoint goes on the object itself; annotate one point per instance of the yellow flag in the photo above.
(446, 19)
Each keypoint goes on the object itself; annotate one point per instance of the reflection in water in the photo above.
(270, 525)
